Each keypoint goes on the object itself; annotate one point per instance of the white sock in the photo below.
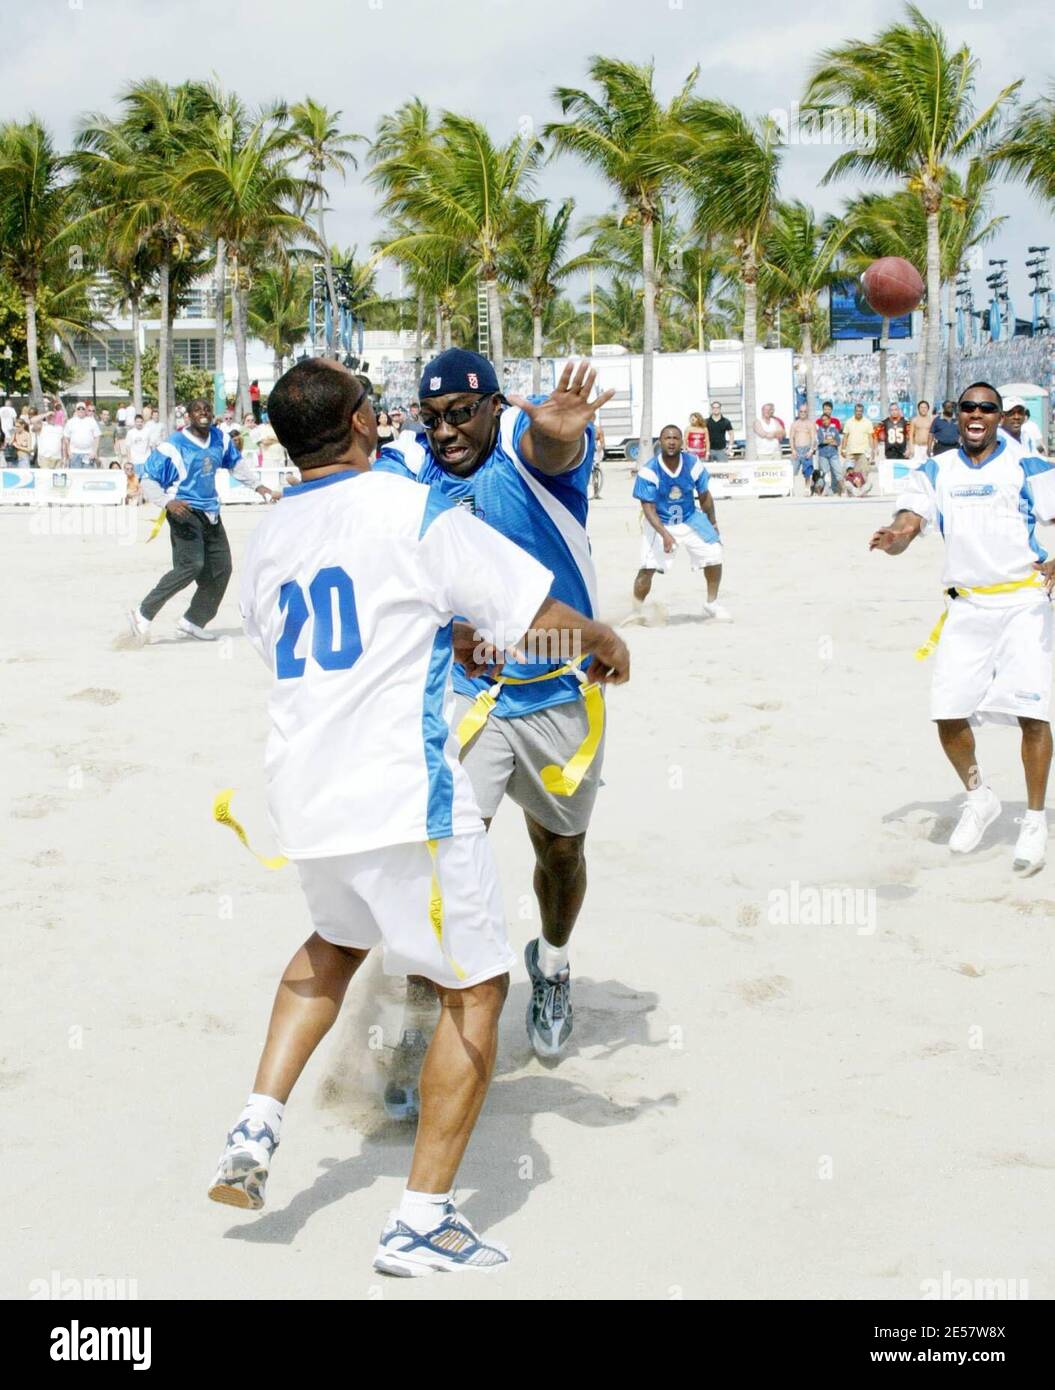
(980, 793)
(423, 1211)
(1035, 818)
(266, 1108)
(551, 959)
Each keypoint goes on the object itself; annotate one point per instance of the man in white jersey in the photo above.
(524, 466)
(349, 593)
(994, 644)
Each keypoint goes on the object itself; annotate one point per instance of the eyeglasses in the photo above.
(986, 407)
(457, 415)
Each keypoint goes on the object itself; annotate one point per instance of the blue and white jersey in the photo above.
(185, 468)
(987, 514)
(545, 516)
(673, 493)
(348, 591)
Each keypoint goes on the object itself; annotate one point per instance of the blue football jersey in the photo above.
(184, 462)
(674, 493)
(545, 516)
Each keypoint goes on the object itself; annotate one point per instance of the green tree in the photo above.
(462, 193)
(189, 382)
(318, 140)
(798, 263)
(628, 135)
(918, 96)
(537, 264)
(34, 221)
(732, 164)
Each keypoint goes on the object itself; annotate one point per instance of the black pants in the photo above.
(200, 555)
(258, 411)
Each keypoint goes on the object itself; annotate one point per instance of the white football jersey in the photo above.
(987, 515)
(348, 591)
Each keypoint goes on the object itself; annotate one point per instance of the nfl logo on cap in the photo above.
(435, 382)
(474, 380)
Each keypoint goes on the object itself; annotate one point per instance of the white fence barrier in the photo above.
(107, 486)
(80, 487)
(751, 478)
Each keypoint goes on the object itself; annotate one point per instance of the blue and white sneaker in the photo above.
(242, 1174)
(402, 1095)
(453, 1247)
(549, 1013)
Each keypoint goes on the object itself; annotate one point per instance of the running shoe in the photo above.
(717, 611)
(185, 628)
(979, 811)
(402, 1096)
(549, 1012)
(453, 1247)
(1031, 847)
(242, 1174)
(139, 627)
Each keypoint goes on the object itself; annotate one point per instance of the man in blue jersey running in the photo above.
(667, 488)
(180, 475)
(523, 466)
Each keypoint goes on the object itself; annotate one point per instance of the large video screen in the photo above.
(852, 318)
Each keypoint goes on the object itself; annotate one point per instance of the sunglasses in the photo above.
(986, 407)
(457, 415)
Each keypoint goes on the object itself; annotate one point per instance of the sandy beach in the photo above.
(759, 1101)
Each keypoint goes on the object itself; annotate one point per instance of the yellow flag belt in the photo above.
(1032, 581)
(558, 781)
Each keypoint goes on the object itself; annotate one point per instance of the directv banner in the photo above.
(80, 486)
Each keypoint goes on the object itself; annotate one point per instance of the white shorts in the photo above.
(383, 897)
(993, 664)
(919, 453)
(699, 551)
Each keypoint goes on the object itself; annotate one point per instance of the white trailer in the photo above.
(683, 382)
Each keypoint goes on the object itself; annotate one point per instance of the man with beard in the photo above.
(994, 641)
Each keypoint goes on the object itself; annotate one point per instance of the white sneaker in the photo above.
(718, 612)
(241, 1177)
(188, 629)
(139, 627)
(979, 811)
(452, 1248)
(1030, 847)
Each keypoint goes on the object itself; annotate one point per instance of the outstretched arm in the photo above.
(552, 442)
(899, 535)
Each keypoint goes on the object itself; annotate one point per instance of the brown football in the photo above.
(892, 286)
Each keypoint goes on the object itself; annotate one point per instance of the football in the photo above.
(892, 286)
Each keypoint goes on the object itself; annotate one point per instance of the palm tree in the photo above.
(316, 136)
(240, 185)
(277, 309)
(965, 223)
(34, 221)
(129, 166)
(698, 285)
(1027, 152)
(917, 95)
(401, 136)
(462, 192)
(128, 273)
(732, 164)
(797, 265)
(616, 315)
(629, 136)
(536, 264)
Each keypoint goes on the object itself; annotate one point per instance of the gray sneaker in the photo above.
(402, 1097)
(549, 1013)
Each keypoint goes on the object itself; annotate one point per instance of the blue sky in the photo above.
(498, 60)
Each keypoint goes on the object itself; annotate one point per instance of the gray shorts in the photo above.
(507, 755)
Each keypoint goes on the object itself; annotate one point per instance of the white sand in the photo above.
(723, 1063)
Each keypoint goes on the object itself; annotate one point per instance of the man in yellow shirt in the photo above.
(858, 444)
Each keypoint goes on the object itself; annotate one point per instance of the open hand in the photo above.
(564, 415)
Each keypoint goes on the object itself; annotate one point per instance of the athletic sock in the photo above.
(265, 1108)
(1035, 818)
(980, 793)
(423, 1211)
(551, 959)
